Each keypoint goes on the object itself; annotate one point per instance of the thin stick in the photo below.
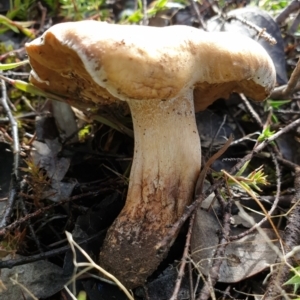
(260, 31)
(92, 264)
(273, 207)
(14, 128)
(18, 222)
(285, 91)
(293, 80)
(16, 149)
(293, 6)
(10, 263)
(214, 272)
(200, 18)
(31, 229)
(216, 134)
(183, 259)
(291, 239)
(145, 13)
(251, 111)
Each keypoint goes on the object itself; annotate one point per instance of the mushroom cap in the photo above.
(98, 62)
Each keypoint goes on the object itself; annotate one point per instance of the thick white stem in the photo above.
(166, 162)
(167, 159)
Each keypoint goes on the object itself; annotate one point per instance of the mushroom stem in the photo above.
(167, 160)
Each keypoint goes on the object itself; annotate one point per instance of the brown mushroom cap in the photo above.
(101, 62)
(157, 71)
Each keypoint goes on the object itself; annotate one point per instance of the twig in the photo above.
(246, 138)
(290, 240)
(218, 256)
(16, 74)
(260, 31)
(293, 80)
(16, 149)
(216, 134)
(200, 19)
(12, 52)
(145, 14)
(14, 280)
(251, 111)
(43, 17)
(200, 181)
(12, 196)
(10, 263)
(287, 112)
(199, 187)
(287, 163)
(14, 129)
(32, 232)
(183, 260)
(294, 25)
(18, 222)
(191, 282)
(293, 6)
(275, 203)
(273, 207)
(226, 294)
(291, 87)
(91, 264)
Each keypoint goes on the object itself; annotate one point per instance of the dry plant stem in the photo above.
(291, 239)
(214, 272)
(262, 145)
(165, 168)
(43, 17)
(216, 134)
(247, 137)
(145, 15)
(285, 91)
(191, 282)
(90, 265)
(287, 112)
(226, 293)
(12, 196)
(200, 19)
(278, 92)
(42, 256)
(201, 178)
(293, 80)
(16, 149)
(183, 260)
(294, 25)
(260, 31)
(275, 203)
(199, 197)
(293, 6)
(287, 163)
(25, 290)
(32, 232)
(75, 6)
(284, 200)
(6, 229)
(252, 111)
(11, 53)
(236, 122)
(254, 197)
(273, 207)
(14, 128)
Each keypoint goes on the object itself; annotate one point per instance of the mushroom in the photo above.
(158, 72)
